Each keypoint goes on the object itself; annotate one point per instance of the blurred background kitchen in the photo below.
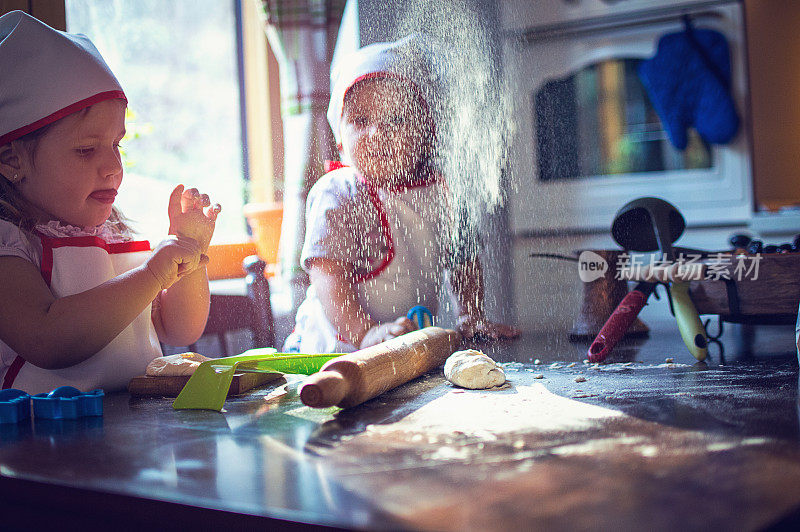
(230, 95)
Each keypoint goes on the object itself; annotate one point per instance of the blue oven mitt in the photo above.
(688, 81)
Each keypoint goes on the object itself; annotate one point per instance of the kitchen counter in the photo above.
(639, 442)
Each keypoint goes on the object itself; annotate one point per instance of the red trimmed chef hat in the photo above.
(46, 74)
(409, 59)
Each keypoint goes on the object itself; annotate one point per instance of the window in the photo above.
(178, 64)
(600, 121)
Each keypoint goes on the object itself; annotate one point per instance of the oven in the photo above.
(587, 136)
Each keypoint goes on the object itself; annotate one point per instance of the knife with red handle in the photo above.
(619, 321)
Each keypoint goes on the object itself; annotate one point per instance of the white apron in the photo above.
(409, 275)
(71, 265)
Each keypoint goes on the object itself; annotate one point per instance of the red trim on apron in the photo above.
(12, 372)
(384, 220)
(61, 113)
(330, 166)
(48, 244)
(387, 234)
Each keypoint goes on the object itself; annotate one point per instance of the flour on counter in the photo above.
(486, 414)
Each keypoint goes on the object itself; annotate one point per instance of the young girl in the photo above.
(81, 302)
(374, 246)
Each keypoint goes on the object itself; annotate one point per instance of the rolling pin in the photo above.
(351, 379)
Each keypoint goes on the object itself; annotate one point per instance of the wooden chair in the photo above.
(237, 312)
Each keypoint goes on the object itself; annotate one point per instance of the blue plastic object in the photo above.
(421, 316)
(66, 402)
(15, 406)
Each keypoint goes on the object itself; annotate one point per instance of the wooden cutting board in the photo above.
(172, 386)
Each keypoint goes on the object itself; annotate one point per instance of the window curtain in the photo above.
(302, 35)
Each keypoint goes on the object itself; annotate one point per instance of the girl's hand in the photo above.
(481, 329)
(173, 258)
(192, 215)
(387, 331)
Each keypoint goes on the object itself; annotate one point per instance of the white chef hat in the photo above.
(46, 74)
(409, 59)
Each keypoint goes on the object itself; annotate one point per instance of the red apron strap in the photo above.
(330, 166)
(46, 266)
(387, 235)
(13, 371)
(49, 243)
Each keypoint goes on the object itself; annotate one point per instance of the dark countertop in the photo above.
(639, 442)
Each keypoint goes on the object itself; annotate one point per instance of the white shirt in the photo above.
(391, 239)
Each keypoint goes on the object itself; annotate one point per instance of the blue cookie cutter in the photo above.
(66, 402)
(421, 316)
(15, 406)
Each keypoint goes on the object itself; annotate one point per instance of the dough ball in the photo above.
(175, 365)
(472, 369)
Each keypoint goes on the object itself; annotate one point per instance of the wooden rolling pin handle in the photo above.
(324, 389)
(351, 379)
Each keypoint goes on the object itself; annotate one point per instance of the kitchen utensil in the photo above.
(208, 386)
(623, 316)
(600, 298)
(67, 402)
(15, 406)
(356, 377)
(652, 224)
(421, 316)
(171, 386)
(648, 224)
(635, 228)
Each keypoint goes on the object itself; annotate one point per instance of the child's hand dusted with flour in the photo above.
(191, 215)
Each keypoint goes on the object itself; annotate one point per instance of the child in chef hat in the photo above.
(83, 304)
(374, 245)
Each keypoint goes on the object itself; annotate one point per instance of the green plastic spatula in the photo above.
(208, 387)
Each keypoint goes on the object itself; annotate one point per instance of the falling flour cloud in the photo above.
(473, 110)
